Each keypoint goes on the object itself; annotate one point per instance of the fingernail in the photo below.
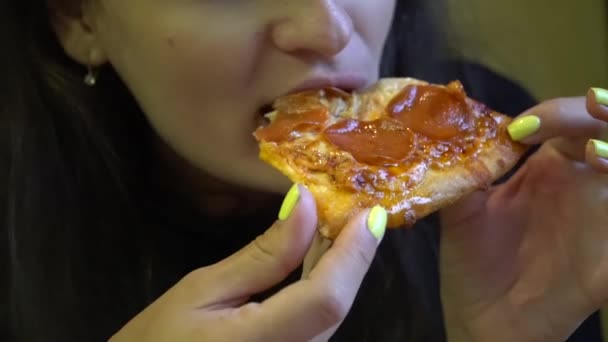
(376, 222)
(524, 127)
(601, 96)
(289, 203)
(601, 148)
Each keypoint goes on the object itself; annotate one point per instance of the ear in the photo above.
(75, 28)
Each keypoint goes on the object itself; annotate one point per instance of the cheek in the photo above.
(372, 20)
(194, 88)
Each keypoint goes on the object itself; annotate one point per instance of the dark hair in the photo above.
(78, 169)
(69, 226)
(416, 45)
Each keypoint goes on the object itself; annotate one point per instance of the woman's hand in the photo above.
(211, 304)
(528, 260)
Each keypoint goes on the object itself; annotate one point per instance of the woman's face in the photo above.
(202, 69)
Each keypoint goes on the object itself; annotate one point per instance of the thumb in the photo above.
(311, 306)
(267, 260)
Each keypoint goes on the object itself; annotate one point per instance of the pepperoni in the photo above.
(382, 142)
(437, 112)
(286, 125)
(296, 113)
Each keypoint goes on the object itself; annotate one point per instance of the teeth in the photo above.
(265, 119)
(271, 115)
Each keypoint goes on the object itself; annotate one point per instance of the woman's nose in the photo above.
(318, 27)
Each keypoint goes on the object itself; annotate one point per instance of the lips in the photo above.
(345, 81)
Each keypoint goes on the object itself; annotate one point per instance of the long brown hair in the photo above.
(69, 228)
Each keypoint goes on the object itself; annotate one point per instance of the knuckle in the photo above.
(262, 251)
(556, 110)
(333, 308)
(362, 253)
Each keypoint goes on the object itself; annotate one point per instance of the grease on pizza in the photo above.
(407, 145)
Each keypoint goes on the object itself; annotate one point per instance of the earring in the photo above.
(90, 79)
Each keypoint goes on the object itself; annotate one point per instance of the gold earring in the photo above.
(90, 79)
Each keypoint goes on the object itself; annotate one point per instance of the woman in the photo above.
(134, 191)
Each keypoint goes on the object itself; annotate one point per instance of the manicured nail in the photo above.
(376, 222)
(289, 203)
(601, 148)
(601, 96)
(524, 127)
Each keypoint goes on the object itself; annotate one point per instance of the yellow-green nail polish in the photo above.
(601, 96)
(376, 221)
(289, 203)
(601, 148)
(524, 127)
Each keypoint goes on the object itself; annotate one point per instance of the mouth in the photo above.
(344, 82)
(262, 119)
(337, 84)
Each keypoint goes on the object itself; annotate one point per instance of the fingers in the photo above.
(596, 154)
(264, 262)
(556, 118)
(311, 306)
(596, 151)
(597, 103)
(566, 124)
(319, 246)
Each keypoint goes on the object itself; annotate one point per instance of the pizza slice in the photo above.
(407, 145)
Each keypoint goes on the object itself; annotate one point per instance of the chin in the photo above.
(255, 175)
(277, 186)
(267, 179)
